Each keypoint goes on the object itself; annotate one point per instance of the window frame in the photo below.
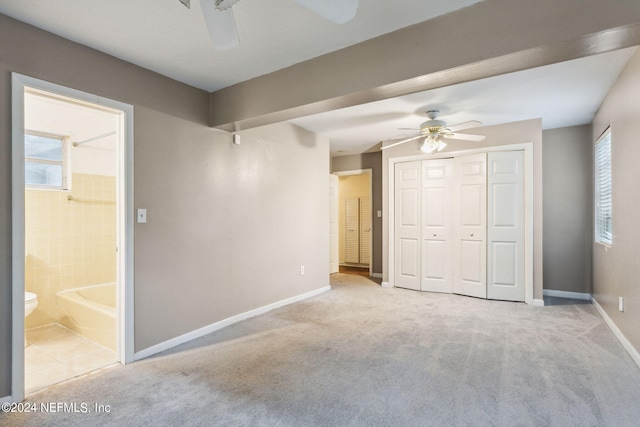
(64, 163)
(602, 236)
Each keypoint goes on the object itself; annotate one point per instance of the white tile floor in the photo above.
(56, 354)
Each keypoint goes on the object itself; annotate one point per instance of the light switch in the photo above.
(379, 214)
(142, 216)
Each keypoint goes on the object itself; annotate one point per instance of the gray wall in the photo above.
(616, 270)
(511, 133)
(567, 177)
(368, 161)
(228, 226)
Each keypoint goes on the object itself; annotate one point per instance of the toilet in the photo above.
(30, 304)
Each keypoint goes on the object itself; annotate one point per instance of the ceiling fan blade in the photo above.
(415, 129)
(221, 26)
(464, 125)
(464, 136)
(337, 11)
(401, 142)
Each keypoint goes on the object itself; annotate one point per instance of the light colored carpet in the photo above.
(363, 355)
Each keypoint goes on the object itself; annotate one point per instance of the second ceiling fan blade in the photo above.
(221, 26)
(338, 11)
(464, 125)
(464, 136)
(401, 142)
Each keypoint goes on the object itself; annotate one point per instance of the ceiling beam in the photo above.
(491, 38)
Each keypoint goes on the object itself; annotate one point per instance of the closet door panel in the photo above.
(505, 275)
(470, 217)
(407, 225)
(352, 234)
(437, 208)
(365, 230)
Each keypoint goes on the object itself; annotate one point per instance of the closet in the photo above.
(459, 225)
(357, 230)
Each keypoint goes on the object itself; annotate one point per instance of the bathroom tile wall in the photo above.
(69, 243)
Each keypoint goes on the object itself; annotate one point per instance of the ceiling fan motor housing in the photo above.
(432, 125)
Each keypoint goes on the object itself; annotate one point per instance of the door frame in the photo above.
(360, 172)
(124, 229)
(528, 200)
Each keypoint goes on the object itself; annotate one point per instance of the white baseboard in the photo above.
(386, 285)
(633, 352)
(377, 275)
(538, 303)
(566, 294)
(6, 399)
(223, 323)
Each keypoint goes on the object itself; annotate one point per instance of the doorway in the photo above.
(72, 220)
(355, 221)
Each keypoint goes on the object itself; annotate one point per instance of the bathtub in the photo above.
(91, 312)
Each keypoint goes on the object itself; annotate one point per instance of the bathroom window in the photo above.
(45, 161)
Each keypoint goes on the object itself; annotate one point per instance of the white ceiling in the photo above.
(166, 37)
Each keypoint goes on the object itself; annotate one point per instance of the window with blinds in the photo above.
(602, 217)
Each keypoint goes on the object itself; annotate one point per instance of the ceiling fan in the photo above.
(434, 130)
(221, 24)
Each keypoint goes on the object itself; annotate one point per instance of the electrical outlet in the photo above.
(621, 303)
(302, 270)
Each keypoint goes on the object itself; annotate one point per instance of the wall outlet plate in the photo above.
(621, 303)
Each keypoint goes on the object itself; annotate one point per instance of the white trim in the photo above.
(386, 285)
(538, 303)
(377, 275)
(527, 147)
(17, 233)
(125, 218)
(618, 333)
(566, 294)
(189, 336)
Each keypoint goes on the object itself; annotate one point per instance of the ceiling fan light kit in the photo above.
(432, 144)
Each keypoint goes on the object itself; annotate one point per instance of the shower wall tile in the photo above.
(69, 243)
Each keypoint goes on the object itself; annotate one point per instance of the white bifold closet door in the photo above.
(437, 222)
(506, 229)
(407, 225)
(470, 223)
(365, 230)
(358, 230)
(459, 225)
(352, 230)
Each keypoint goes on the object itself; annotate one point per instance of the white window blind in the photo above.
(602, 215)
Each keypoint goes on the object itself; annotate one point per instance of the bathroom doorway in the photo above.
(70, 168)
